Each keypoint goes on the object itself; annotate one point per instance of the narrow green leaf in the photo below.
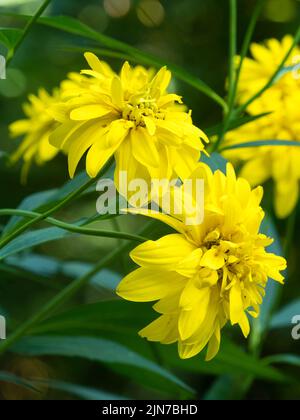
(286, 359)
(80, 391)
(283, 318)
(230, 360)
(226, 387)
(215, 161)
(9, 37)
(116, 317)
(106, 279)
(31, 239)
(48, 267)
(238, 122)
(262, 143)
(94, 349)
(16, 380)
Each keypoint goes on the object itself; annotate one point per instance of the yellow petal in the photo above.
(189, 266)
(19, 128)
(236, 304)
(166, 253)
(191, 320)
(168, 220)
(150, 124)
(97, 65)
(146, 285)
(213, 259)
(117, 132)
(117, 92)
(187, 351)
(257, 171)
(163, 329)
(144, 148)
(81, 144)
(286, 198)
(89, 112)
(214, 345)
(244, 324)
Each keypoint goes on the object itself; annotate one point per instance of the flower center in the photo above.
(139, 107)
(231, 260)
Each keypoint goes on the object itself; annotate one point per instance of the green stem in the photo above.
(72, 196)
(232, 51)
(72, 228)
(27, 29)
(247, 41)
(232, 73)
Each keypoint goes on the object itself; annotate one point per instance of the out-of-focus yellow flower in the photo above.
(205, 275)
(280, 163)
(132, 117)
(36, 129)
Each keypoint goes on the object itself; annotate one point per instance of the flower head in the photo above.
(36, 129)
(280, 163)
(205, 275)
(132, 117)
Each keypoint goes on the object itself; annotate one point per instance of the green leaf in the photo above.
(118, 321)
(113, 317)
(80, 391)
(287, 359)
(12, 3)
(48, 267)
(9, 37)
(94, 349)
(238, 122)
(227, 387)
(262, 143)
(31, 239)
(16, 380)
(215, 161)
(230, 360)
(40, 265)
(283, 318)
(106, 279)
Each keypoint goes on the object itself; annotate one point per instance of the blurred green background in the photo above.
(191, 33)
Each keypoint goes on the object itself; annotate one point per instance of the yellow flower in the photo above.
(280, 163)
(132, 117)
(205, 275)
(36, 129)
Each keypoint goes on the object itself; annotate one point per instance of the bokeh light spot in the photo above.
(280, 10)
(95, 17)
(151, 13)
(117, 8)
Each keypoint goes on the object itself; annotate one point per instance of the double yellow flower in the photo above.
(203, 275)
(281, 101)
